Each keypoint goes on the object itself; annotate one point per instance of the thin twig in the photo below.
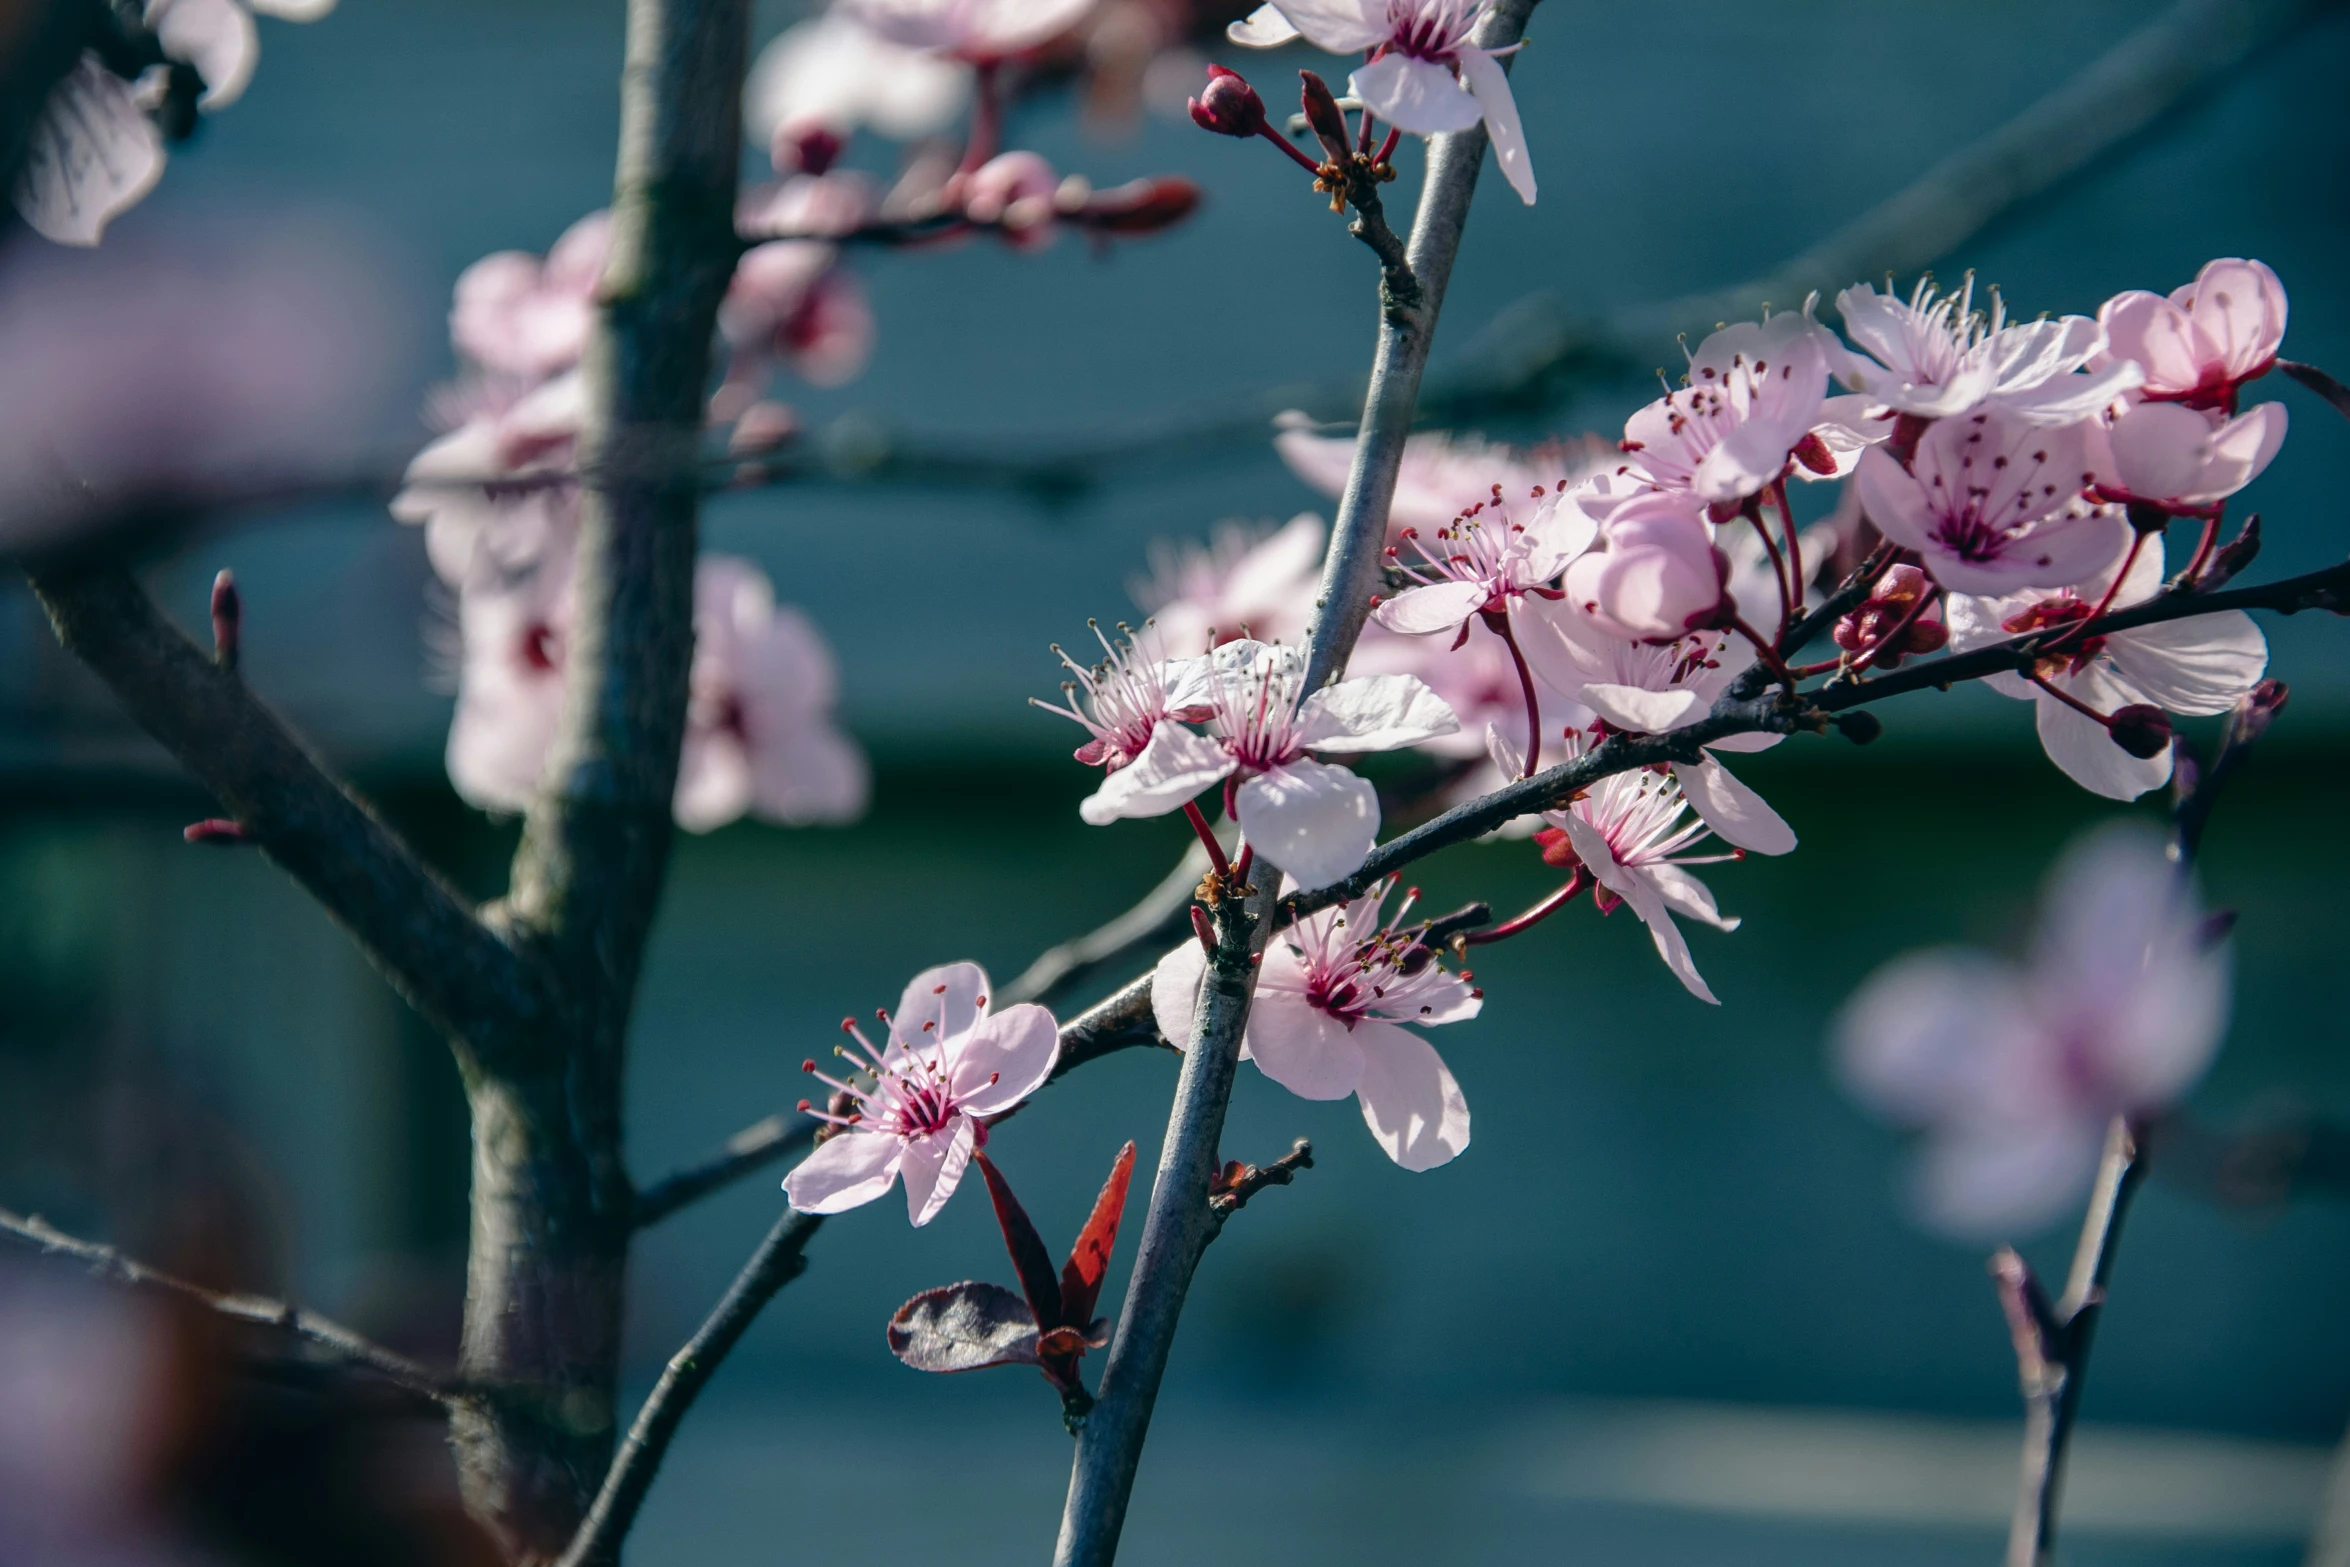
(343, 1345)
(1159, 915)
(747, 1152)
(473, 987)
(1236, 1183)
(780, 1258)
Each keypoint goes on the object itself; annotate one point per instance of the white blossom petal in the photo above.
(1304, 1048)
(1175, 766)
(845, 1172)
(1419, 96)
(1311, 819)
(1175, 986)
(941, 1003)
(2203, 664)
(1338, 26)
(2085, 750)
(933, 1167)
(1373, 713)
(1491, 84)
(1421, 611)
(1641, 710)
(1005, 1059)
(91, 156)
(2006, 1179)
(1263, 28)
(1736, 813)
(1415, 1110)
(214, 36)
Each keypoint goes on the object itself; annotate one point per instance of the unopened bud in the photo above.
(1859, 728)
(2141, 729)
(1925, 636)
(2233, 556)
(1141, 206)
(216, 832)
(1813, 453)
(2258, 708)
(1228, 105)
(1326, 118)
(228, 620)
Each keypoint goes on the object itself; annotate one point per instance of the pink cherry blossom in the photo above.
(511, 647)
(1753, 394)
(1632, 832)
(1442, 474)
(760, 738)
(516, 314)
(1654, 574)
(2014, 1071)
(1656, 688)
(1333, 994)
(1993, 504)
(1311, 819)
(2185, 460)
(982, 32)
(918, 1106)
(809, 206)
(1015, 190)
(2199, 665)
(759, 734)
(832, 73)
(94, 152)
(1423, 75)
(790, 302)
(1477, 680)
(2203, 343)
(1935, 357)
(493, 493)
(1245, 584)
(1122, 700)
(1485, 561)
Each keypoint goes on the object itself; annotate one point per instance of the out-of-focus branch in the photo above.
(312, 1330)
(1160, 915)
(781, 1258)
(747, 1152)
(465, 980)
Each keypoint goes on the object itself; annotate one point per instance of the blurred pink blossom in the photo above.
(790, 303)
(979, 31)
(517, 314)
(1333, 994)
(832, 73)
(494, 494)
(2015, 1071)
(918, 1104)
(1015, 190)
(1442, 474)
(1258, 585)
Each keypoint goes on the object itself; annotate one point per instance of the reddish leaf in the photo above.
(964, 1327)
(1034, 1263)
(1089, 1259)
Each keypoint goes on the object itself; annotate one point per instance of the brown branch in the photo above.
(424, 938)
(312, 1330)
(781, 1258)
(1236, 1183)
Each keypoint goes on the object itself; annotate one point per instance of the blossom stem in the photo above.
(1295, 156)
(1207, 836)
(2068, 699)
(1240, 866)
(986, 120)
(2202, 556)
(1363, 134)
(1533, 916)
(2053, 1355)
(1795, 580)
(1764, 651)
(1762, 529)
(1500, 625)
(2079, 628)
(1386, 147)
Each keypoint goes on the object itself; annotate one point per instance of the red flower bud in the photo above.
(1324, 115)
(1228, 105)
(1141, 206)
(2142, 730)
(228, 617)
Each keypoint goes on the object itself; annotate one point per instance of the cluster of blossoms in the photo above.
(2000, 481)
(496, 493)
(148, 72)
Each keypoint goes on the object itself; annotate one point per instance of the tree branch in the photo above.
(1179, 1222)
(779, 1259)
(344, 1346)
(1236, 1183)
(418, 932)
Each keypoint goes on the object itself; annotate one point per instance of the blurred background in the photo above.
(1668, 1307)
